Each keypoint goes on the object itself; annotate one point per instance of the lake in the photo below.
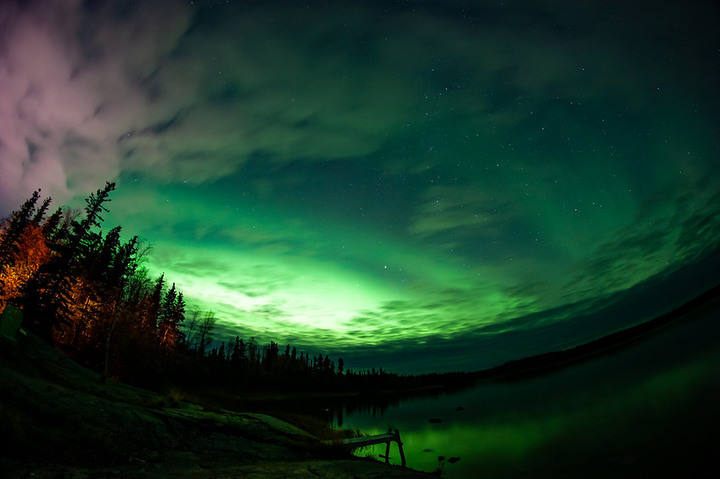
(648, 409)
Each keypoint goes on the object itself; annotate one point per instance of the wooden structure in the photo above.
(393, 435)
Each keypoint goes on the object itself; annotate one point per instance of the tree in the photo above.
(32, 252)
(270, 355)
(13, 228)
(49, 296)
(239, 352)
(205, 332)
(19, 237)
(120, 263)
(89, 290)
(154, 302)
(190, 331)
(94, 207)
(172, 315)
(252, 352)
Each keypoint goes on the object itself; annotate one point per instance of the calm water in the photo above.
(650, 409)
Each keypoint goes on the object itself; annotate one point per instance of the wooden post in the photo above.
(387, 438)
(400, 448)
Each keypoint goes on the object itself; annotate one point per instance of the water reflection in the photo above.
(648, 410)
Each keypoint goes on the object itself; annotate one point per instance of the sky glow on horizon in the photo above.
(438, 185)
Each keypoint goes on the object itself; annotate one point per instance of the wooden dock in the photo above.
(393, 435)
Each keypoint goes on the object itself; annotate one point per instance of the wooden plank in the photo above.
(369, 440)
(387, 438)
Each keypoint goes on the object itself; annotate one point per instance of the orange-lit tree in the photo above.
(53, 297)
(25, 246)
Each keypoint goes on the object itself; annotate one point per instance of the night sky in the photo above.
(418, 185)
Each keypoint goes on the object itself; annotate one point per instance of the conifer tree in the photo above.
(239, 352)
(40, 213)
(14, 227)
(51, 226)
(172, 313)
(154, 303)
(48, 296)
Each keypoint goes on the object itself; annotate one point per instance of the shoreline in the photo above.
(66, 421)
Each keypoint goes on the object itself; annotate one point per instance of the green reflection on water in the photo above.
(657, 416)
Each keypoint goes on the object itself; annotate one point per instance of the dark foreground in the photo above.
(64, 421)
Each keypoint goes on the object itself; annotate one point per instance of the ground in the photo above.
(66, 421)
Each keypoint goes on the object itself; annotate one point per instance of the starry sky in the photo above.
(418, 185)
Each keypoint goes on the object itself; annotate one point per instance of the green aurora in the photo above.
(424, 185)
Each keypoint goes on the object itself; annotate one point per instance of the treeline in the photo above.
(88, 293)
(241, 365)
(237, 365)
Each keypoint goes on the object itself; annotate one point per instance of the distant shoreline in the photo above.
(435, 383)
(545, 362)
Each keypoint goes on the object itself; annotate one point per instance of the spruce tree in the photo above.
(14, 227)
(48, 295)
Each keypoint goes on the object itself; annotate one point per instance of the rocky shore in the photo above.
(63, 420)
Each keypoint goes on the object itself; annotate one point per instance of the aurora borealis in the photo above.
(414, 185)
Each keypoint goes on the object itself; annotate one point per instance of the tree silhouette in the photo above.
(48, 299)
(23, 248)
(13, 229)
(205, 332)
(89, 293)
(171, 316)
(239, 353)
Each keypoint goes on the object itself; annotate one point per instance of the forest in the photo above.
(89, 294)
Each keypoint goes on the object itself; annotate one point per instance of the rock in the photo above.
(66, 422)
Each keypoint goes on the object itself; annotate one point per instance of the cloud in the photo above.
(509, 167)
(467, 210)
(190, 94)
(672, 227)
(179, 95)
(68, 93)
